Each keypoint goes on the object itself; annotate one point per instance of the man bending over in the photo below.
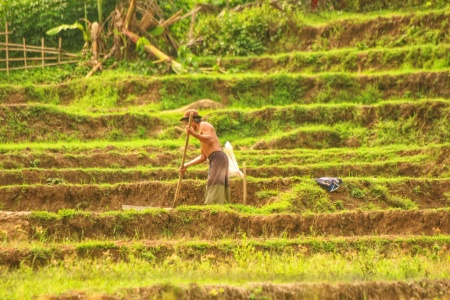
(217, 188)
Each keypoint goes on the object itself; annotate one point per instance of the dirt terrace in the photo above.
(389, 32)
(394, 168)
(219, 251)
(217, 225)
(114, 157)
(425, 193)
(423, 289)
(378, 60)
(391, 86)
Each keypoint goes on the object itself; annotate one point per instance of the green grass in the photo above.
(244, 90)
(246, 265)
(293, 125)
(408, 58)
(185, 248)
(85, 150)
(75, 146)
(328, 17)
(318, 197)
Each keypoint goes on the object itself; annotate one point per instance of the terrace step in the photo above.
(424, 289)
(217, 223)
(301, 194)
(394, 5)
(418, 58)
(246, 90)
(42, 254)
(390, 168)
(372, 31)
(295, 126)
(125, 155)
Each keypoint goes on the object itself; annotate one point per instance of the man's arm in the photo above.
(205, 134)
(199, 159)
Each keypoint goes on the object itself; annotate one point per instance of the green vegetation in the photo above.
(356, 90)
(247, 264)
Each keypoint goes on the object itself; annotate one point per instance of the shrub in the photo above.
(242, 33)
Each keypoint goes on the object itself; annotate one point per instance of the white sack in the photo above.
(233, 168)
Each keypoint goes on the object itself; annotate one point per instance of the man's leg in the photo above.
(217, 189)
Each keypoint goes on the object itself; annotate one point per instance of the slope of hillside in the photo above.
(363, 95)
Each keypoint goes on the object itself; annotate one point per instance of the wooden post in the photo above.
(43, 53)
(182, 164)
(24, 53)
(244, 167)
(59, 50)
(7, 51)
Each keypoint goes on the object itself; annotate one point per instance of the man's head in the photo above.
(195, 116)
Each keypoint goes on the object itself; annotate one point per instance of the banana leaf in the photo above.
(75, 25)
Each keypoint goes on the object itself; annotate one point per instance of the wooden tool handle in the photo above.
(182, 164)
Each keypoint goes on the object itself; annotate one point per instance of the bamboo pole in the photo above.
(31, 58)
(33, 67)
(244, 167)
(24, 52)
(62, 63)
(43, 53)
(29, 47)
(7, 51)
(24, 48)
(19, 47)
(182, 164)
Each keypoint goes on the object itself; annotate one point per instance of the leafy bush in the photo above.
(240, 33)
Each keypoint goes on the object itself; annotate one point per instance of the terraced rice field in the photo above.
(364, 97)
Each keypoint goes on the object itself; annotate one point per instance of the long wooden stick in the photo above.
(245, 183)
(149, 48)
(182, 163)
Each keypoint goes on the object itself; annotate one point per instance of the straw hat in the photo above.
(195, 115)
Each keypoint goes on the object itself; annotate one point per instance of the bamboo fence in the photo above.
(47, 56)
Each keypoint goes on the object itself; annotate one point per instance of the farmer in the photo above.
(217, 189)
